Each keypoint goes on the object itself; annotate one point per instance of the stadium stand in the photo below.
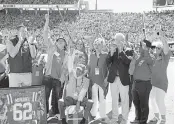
(84, 24)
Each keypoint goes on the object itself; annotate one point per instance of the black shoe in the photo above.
(83, 121)
(63, 121)
(135, 122)
(91, 118)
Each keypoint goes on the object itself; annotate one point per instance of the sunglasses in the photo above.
(158, 48)
(154, 47)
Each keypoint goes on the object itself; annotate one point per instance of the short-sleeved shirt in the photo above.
(143, 68)
(159, 72)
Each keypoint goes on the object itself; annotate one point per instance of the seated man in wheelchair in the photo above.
(77, 86)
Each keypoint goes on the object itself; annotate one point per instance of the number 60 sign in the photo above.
(23, 105)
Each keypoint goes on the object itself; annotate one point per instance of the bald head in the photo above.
(119, 37)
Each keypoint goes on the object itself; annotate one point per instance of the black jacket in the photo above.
(119, 62)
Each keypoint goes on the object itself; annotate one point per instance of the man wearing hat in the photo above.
(119, 78)
(54, 69)
(21, 51)
(142, 83)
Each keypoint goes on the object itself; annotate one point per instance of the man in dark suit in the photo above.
(119, 77)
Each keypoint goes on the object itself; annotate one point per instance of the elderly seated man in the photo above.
(77, 86)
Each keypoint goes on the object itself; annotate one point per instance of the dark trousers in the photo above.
(68, 101)
(55, 86)
(130, 91)
(140, 92)
(130, 96)
(4, 82)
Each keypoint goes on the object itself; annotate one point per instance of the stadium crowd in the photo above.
(85, 24)
(86, 54)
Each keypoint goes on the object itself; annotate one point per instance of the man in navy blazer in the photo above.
(119, 77)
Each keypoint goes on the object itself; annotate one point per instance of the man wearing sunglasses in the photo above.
(142, 83)
(159, 80)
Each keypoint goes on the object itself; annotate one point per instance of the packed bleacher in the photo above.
(85, 24)
(38, 1)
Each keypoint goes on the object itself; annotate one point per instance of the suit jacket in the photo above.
(119, 66)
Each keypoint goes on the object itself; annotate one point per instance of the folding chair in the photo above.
(71, 116)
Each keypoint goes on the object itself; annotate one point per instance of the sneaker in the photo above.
(154, 120)
(83, 121)
(162, 121)
(50, 114)
(57, 116)
(120, 117)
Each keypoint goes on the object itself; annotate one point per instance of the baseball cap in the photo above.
(21, 25)
(158, 44)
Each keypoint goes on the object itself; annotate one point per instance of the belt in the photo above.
(142, 81)
(47, 76)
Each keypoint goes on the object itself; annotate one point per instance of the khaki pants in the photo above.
(116, 88)
(98, 95)
(68, 101)
(20, 79)
(157, 96)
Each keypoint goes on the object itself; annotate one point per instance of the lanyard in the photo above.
(98, 61)
(80, 84)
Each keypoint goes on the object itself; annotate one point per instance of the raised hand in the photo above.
(47, 17)
(21, 39)
(126, 37)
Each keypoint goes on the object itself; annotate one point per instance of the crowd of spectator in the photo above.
(84, 24)
(38, 1)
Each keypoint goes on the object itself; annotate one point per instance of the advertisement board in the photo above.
(24, 105)
(163, 3)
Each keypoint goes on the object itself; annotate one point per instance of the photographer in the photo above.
(142, 82)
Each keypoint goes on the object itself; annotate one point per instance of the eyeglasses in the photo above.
(158, 48)
(154, 47)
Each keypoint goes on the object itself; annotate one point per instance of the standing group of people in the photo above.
(132, 77)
